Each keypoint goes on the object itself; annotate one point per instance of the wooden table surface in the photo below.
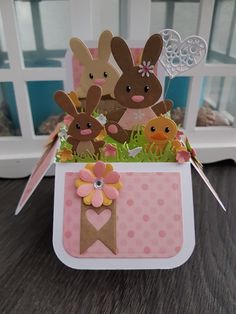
(33, 280)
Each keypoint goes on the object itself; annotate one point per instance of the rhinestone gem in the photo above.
(98, 184)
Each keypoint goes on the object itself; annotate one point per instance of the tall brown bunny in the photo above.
(137, 90)
(84, 128)
(98, 71)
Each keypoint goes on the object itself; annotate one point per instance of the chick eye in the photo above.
(153, 129)
(91, 75)
(146, 88)
(128, 88)
(105, 74)
(89, 125)
(77, 126)
(167, 130)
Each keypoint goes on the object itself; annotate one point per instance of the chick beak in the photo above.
(159, 135)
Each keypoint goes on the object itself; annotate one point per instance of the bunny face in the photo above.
(84, 127)
(100, 73)
(134, 91)
(138, 87)
(96, 71)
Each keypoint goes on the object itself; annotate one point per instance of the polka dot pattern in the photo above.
(149, 224)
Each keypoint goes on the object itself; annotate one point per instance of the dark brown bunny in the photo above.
(138, 89)
(84, 128)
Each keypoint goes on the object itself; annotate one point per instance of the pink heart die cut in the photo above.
(98, 220)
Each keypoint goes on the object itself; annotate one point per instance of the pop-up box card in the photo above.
(123, 191)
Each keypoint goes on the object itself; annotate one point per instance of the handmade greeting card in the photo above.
(123, 191)
(123, 215)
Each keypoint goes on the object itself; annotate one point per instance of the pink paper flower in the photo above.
(110, 150)
(183, 156)
(146, 68)
(98, 184)
(179, 134)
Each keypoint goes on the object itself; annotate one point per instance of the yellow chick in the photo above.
(159, 132)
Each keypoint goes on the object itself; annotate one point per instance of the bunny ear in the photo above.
(93, 98)
(64, 101)
(152, 49)
(104, 45)
(80, 51)
(122, 54)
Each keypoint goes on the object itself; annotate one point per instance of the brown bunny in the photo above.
(84, 128)
(138, 89)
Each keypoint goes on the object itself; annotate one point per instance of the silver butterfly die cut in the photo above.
(179, 56)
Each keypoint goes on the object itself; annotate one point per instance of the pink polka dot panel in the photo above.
(149, 225)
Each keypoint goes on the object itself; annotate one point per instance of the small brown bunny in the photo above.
(138, 89)
(84, 128)
(97, 71)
